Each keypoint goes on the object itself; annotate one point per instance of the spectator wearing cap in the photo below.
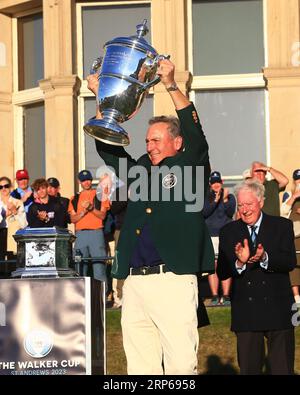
(88, 214)
(246, 174)
(46, 211)
(23, 192)
(218, 210)
(54, 190)
(290, 208)
(259, 172)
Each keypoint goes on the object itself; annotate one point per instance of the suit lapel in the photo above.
(262, 230)
(243, 232)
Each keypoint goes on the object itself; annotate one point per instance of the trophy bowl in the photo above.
(126, 72)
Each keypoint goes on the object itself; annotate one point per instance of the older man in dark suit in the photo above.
(258, 252)
(163, 244)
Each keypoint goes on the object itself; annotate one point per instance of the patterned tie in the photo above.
(253, 236)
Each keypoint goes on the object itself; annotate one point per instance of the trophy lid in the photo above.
(137, 41)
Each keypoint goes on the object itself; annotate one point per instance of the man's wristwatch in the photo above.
(172, 87)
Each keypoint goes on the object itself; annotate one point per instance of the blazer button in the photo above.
(263, 283)
(249, 283)
(250, 298)
(148, 210)
(138, 231)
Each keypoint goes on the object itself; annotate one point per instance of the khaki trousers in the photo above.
(159, 323)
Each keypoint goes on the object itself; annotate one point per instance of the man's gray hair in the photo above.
(251, 185)
(173, 123)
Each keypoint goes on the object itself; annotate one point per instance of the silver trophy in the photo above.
(126, 72)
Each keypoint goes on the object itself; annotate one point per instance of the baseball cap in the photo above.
(53, 182)
(84, 175)
(22, 174)
(215, 176)
(246, 174)
(296, 174)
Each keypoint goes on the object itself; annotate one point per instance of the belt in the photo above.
(145, 270)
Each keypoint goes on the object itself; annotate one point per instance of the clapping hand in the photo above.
(43, 216)
(87, 205)
(11, 209)
(259, 254)
(242, 251)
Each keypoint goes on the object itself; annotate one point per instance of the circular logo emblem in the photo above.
(169, 181)
(38, 343)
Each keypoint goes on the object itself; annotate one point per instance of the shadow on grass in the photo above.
(214, 365)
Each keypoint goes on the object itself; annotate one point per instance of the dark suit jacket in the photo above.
(181, 237)
(261, 299)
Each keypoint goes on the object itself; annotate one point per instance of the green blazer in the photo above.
(181, 237)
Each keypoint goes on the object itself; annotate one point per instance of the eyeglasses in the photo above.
(4, 186)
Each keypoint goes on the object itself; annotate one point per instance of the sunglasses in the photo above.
(4, 186)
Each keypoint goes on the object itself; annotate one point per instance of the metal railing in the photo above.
(81, 261)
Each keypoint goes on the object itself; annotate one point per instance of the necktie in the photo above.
(253, 236)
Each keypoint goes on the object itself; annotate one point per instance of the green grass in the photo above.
(217, 346)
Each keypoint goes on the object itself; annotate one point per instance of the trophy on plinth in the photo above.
(126, 72)
(44, 253)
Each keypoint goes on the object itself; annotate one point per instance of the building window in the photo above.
(30, 51)
(227, 58)
(34, 140)
(227, 37)
(103, 23)
(28, 98)
(233, 122)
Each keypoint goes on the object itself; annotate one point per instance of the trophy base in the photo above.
(107, 132)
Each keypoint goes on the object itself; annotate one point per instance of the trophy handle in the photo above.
(96, 65)
(157, 78)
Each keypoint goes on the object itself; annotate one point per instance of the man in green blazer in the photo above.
(164, 242)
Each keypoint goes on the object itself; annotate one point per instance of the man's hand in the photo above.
(166, 71)
(87, 205)
(217, 195)
(263, 167)
(242, 252)
(296, 194)
(12, 209)
(43, 216)
(259, 254)
(225, 195)
(93, 83)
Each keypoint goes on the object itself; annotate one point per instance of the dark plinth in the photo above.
(44, 252)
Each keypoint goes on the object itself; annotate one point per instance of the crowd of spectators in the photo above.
(97, 221)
